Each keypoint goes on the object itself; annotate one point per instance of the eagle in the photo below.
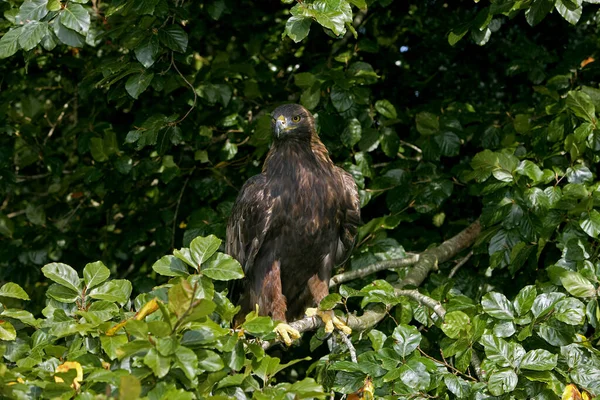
(293, 223)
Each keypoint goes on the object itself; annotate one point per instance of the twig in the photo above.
(191, 87)
(15, 214)
(445, 363)
(414, 294)
(177, 207)
(409, 260)
(462, 262)
(351, 348)
(58, 120)
(412, 146)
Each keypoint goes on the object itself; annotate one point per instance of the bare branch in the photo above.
(189, 84)
(414, 294)
(350, 346)
(409, 260)
(462, 262)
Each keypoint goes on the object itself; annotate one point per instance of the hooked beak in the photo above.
(280, 125)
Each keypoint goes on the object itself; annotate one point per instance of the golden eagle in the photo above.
(291, 224)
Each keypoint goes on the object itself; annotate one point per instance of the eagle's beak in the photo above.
(280, 125)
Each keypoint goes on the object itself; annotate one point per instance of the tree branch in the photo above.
(409, 260)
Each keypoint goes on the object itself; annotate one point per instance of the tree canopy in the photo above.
(129, 126)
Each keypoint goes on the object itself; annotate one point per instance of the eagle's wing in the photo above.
(247, 227)
(249, 222)
(349, 218)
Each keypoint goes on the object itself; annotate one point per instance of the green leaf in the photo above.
(352, 133)
(170, 266)
(111, 344)
(160, 365)
(31, 10)
(202, 248)
(544, 303)
(448, 142)
(209, 360)
(591, 225)
(455, 323)
(14, 291)
(341, 98)
(117, 290)
(330, 301)
(222, 267)
(32, 34)
(581, 105)
(95, 273)
(311, 97)
(427, 123)
(9, 44)
(385, 108)
(256, 325)
(187, 361)
(501, 352)
(62, 293)
(63, 275)
(304, 80)
(130, 388)
(571, 16)
(539, 360)
(538, 10)
(147, 52)
(76, 18)
(174, 37)
(570, 311)
(332, 15)
(577, 285)
(138, 83)
(7, 331)
(407, 339)
(497, 305)
(66, 35)
(53, 5)
(297, 28)
(525, 299)
(501, 382)
(131, 348)
(530, 170)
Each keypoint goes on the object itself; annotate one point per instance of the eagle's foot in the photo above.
(330, 320)
(286, 333)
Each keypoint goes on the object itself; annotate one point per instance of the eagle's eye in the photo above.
(296, 118)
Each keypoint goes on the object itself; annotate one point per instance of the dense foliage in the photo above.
(129, 126)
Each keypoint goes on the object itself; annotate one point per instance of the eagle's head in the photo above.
(292, 121)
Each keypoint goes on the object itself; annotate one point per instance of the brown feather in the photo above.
(293, 223)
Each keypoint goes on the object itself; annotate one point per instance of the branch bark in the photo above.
(410, 259)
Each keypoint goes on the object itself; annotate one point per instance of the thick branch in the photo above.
(430, 258)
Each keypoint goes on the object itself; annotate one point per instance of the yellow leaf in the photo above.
(116, 328)
(65, 367)
(571, 393)
(147, 309)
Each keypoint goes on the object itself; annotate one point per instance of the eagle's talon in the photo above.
(330, 320)
(286, 333)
